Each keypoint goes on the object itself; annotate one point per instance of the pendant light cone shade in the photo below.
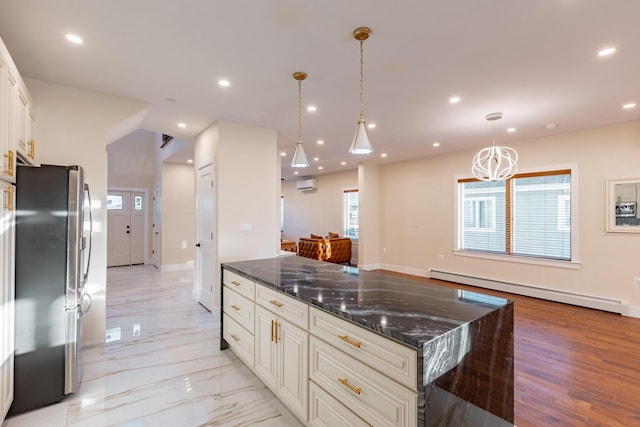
(299, 157)
(495, 163)
(361, 144)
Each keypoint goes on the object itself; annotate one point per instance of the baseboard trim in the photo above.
(406, 270)
(369, 267)
(177, 267)
(605, 304)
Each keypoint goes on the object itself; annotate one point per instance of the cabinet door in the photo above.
(265, 347)
(293, 362)
(7, 296)
(31, 132)
(21, 111)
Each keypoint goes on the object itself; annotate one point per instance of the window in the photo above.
(350, 207)
(137, 203)
(528, 215)
(281, 214)
(114, 202)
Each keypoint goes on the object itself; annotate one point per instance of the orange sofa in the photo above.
(336, 250)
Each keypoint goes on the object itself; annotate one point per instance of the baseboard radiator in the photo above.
(531, 291)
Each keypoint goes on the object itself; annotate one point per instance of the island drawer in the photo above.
(326, 411)
(372, 396)
(239, 309)
(239, 339)
(240, 284)
(394, 360)
(296, 312)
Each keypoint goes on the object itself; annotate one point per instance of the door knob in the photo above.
(197, 245)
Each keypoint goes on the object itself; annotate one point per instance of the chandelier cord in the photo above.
(299, 110)
(361, 81)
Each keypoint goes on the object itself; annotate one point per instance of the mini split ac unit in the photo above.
(307, 184)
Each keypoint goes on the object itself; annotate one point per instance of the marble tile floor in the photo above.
(160, 365)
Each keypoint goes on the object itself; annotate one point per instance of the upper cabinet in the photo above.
(17, 119)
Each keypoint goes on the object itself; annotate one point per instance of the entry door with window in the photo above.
(125, 221)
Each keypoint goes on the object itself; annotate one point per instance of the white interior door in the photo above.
(156, 227)
(207, 292)
(125, 225)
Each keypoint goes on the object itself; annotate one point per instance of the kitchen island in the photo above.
(342, 346)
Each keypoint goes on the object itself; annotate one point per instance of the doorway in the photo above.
(126, 227)
(205, 245)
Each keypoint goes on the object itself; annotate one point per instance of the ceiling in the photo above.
(534, 61)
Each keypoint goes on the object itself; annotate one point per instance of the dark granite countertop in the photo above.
(409, 311)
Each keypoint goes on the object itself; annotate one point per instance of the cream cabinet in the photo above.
(239, 316)
(7, 143)
(7, 295)
(282, 347)
(18, 130)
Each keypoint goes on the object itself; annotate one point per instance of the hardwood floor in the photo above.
(574, 366)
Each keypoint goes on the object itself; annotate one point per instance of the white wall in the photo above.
(320, 211)
(72, 128)
(417, 214)
(247, 190)
(178, 229)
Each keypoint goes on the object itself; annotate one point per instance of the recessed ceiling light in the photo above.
(315, 159)
(182, 125)
(320, 142)
(371, 125)
(343, 163)
(436, 144)
(511, 130)
(606, 52)
(74, 38)
(320, 168)
(383, 155)
(454, 99)
(190, 161)
(551, 126)
(311, 108)
(629, 106)
(283, 153)
(224, 83)
(295, 172)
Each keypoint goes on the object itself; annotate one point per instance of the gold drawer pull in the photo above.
(272, 327)
(345, 382)
(235, 337)
(235, 307)
(348, 340)
(276, 303)
(32, 148)
(234, 282)
(10, 161)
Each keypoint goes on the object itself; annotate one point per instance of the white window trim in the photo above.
(574, 263)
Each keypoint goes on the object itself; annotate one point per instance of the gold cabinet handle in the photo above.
(234, 282)
(272, 323)
(276, 303)
(235, 307)
(235, 337)
(277, 324)
(8, 203)
(345, 382)
(348, 340)
(32, 148)
(10, 162)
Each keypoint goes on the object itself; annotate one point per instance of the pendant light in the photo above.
(495, 163)
(299, 158)
(361, 144)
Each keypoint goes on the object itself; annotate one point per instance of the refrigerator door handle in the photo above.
(82, 311)
(86, 272)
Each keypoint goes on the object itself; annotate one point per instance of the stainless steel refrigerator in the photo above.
(53, 247)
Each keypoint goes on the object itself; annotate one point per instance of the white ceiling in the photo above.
(534, 61)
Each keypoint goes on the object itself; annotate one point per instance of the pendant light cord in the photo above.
(361, 81)
(300, 111)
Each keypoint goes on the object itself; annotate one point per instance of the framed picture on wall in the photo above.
(622, 205)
